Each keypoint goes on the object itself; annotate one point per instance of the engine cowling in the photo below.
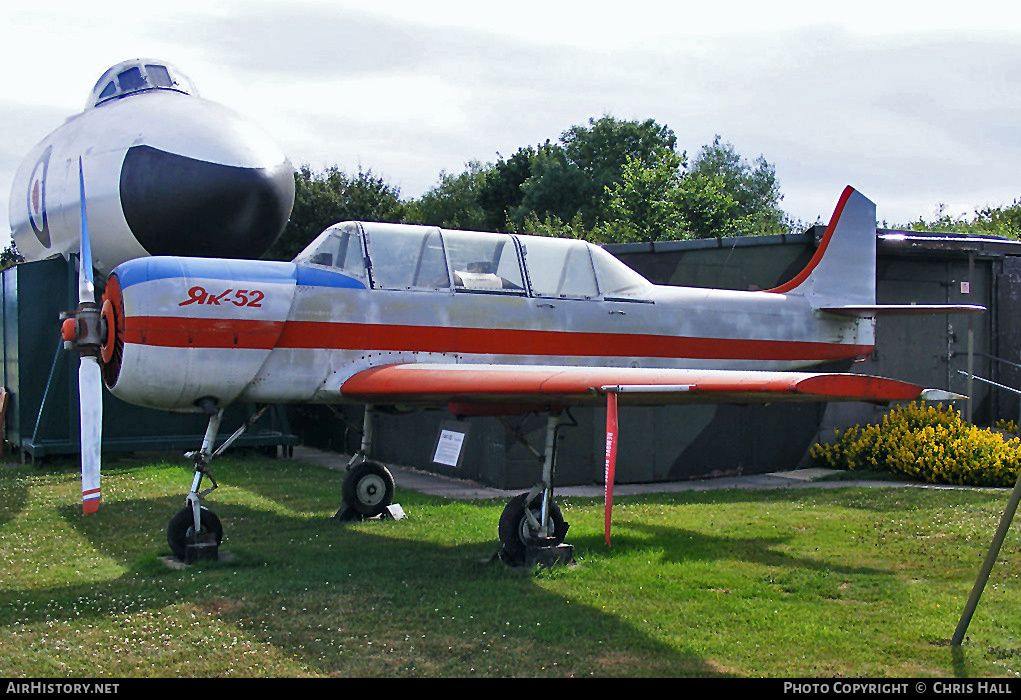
(207, 332)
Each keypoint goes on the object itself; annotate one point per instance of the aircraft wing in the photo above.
(480, 389)
(504, 389)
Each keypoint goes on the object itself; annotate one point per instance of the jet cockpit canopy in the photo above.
(138, 75)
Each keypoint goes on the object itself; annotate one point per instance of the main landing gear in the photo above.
(532, 528)
(368, 488)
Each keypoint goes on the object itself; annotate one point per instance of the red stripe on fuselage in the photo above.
(267, 335)
(171, 332)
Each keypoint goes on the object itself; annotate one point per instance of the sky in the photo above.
(915, 104)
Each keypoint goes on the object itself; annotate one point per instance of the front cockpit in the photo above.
(138, 75)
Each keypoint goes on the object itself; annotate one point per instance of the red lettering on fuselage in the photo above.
(240, 297)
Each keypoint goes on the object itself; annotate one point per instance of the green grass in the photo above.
(838, 582)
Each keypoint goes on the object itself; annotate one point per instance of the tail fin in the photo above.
(842, 271)
(841, 276)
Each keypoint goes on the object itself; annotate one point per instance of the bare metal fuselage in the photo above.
(281, 332)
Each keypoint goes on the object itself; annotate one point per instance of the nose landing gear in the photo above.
(194, 532)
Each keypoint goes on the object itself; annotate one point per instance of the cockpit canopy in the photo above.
(406, 257)
(138, 75)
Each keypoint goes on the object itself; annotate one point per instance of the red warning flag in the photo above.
(611, 460)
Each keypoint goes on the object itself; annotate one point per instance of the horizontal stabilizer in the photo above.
(902, 309)
(940, 395)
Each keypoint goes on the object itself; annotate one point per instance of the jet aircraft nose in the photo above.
(178, 205)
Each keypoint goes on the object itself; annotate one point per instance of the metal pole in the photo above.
(987, 565)
(971, 341)
(57, 357)
(971, 371)
(368, 426)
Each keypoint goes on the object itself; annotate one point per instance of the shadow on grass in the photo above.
(384, 598)
(683, 545)
(351, 599)
(13, 493)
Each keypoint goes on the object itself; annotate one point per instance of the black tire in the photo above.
(181, 529)
(516, 532)
(368, 488)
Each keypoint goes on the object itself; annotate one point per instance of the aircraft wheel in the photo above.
(368, 488)
(516, 531)
(181, 529)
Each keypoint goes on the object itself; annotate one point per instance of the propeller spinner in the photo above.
(83, 331)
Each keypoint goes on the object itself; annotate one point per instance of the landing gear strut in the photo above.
(195, 532)
(532, 528)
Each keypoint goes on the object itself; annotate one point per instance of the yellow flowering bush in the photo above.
(1008, 426)
(928, 443)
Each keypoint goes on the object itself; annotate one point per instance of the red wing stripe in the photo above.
(227, 333)
(858, 385)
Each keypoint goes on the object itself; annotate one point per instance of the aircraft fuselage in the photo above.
(276, 332)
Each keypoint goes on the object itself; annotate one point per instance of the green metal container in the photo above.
(41, 381)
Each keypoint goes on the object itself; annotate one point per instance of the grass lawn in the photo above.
(841, 582)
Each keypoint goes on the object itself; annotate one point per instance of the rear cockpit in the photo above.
(138, 75)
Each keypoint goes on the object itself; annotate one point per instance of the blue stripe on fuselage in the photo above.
(258, 271)
(319, 277)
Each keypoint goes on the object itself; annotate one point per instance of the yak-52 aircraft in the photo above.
(403, 316)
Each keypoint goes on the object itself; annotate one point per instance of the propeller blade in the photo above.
(86, 283)
(90, 402)
(90, 377)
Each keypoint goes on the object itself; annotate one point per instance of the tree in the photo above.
(1003, 222)
(557, 181)
(724, 195)
(555, 188)
(10, 256)
(321, 200)
(499, 193)
(720, 194)
(642, 205)
(708, 207)
(601, 150)
(454, 202)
